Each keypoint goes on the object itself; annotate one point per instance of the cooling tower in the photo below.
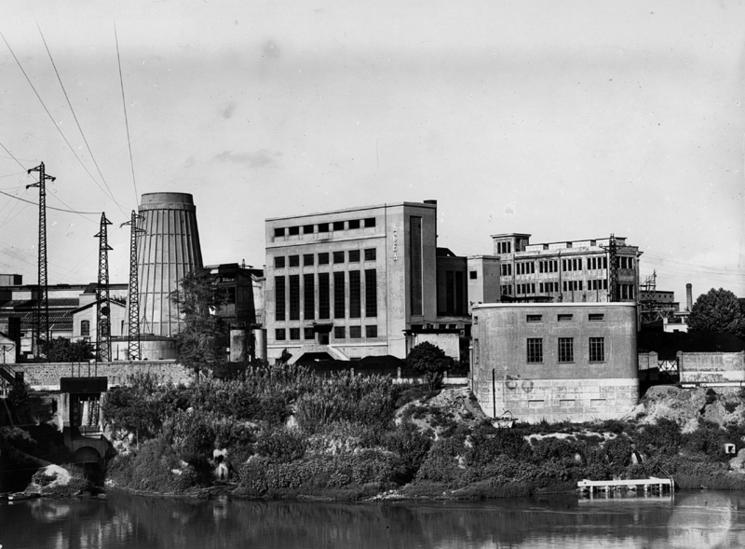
(166, 251)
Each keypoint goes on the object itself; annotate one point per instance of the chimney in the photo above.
(689, 297)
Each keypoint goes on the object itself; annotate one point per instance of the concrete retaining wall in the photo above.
(712, 367)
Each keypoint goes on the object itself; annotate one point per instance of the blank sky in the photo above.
(565, 120)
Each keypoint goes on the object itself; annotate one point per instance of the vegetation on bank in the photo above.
(291, 433)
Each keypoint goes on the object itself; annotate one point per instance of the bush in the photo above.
(281, 446)
(429, 360)
(411, 446)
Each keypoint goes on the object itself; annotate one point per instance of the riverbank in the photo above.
(287, 434)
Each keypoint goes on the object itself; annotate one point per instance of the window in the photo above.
(355, 332)
(535, 350)
(279, 231)
(294, 297)
(279, 334)
(566, 349)
(564, 318)
(323, 258)
(279, 262)
(338, 257)
(323, 227)
(416, 277)
(370, 254)
(294, 230)
(309, 334)
(309, 297)
(294, 333)
(338, 225)
(595, 317)
(354, 223)
(371, 331)
(294, 260)
(597, 349)
(340, 332)
(307, 259)
(355, 295)
(533, 318)
(279, 298)
(307, 229)
(339, 305)
(85, 328)
(369, 222)
(354, 256)
(473, 275)
(506, 269)
(371, 293)
(323, 295)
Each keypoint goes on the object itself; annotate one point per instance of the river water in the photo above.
(693, 520)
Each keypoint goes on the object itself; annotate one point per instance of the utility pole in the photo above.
(134, 351)
(103, 302)
(40, 330)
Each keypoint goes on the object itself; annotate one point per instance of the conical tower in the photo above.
(167, 249)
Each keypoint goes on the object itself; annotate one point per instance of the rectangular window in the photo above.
(370, 254)
(279, 262)
(338, 225)
(340, 332)
(294, 333)
(371, 331)
(339, 304)
(85, 328)
(354, 256)
(369, 222)
(338, 257)
(473, 275)
(294, 260)
(279, 298)
(535, 350)
(323, 295)
(294, 230)
(355, 332)
(354, 223)
(309, 297)
(309, 334)
(371, 293)
(415, 264)
(597, 349)
(323, 227)
(279, 334)
(566, 349)
(307, 229)
(308, 259)
(355, 295)
(533, 318)
(294, 297)
(279, 231)
(323, 258)
(595, 317)
(564, 318)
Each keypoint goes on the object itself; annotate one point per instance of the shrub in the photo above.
(411, 446)
(282, 445)
(429, 360)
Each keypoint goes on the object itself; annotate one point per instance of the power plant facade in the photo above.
(167, 250)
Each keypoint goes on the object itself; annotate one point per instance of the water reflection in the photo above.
(702, 520)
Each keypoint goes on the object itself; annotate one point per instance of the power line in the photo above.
(75, 117)
(49, 207)
(10, 154)
(49, 114)
(126, 118)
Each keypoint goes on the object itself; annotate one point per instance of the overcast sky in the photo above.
(566, 120)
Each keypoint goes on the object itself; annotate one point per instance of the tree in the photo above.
(63, 350)
(430, 360)
(717, 311)
(201, 344)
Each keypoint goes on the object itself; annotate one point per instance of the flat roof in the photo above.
(555, 305)
(355, 209)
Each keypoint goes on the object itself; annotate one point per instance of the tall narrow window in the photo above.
(323, 295)
(309, 297)
(597, 349)
(415, 245)
(566, 349)
(339, 305)
(355, 295)
(535, 350)
(85, 328)
(371, 293)
(294, 297)
(279, 298)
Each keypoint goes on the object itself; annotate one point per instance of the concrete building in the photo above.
(559, 361)
(360, 281)
(484, 280)
(574, 271)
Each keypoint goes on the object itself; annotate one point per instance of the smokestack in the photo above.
(689, 297)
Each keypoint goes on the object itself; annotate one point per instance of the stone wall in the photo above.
(712, 368)
(46, 376)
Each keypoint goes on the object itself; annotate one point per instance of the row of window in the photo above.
(548, 266)
(504, 247)
(344, 304)
(340, 332)
(351, 256)
(524, 267)
(567, 286)
(563, 317)
(565, 349)
(525, 288)
(506, 269)
(347, 225)
(567, 265)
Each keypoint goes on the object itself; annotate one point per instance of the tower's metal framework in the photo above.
(134, 351)
(41, 312)
(613, 290)
(103, 301)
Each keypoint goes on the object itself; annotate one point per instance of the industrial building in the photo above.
(555, 362)
(566, 271)
(362, 281)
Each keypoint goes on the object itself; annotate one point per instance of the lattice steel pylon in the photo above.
(613, 292)
(103, 302)
(134, 351)
(41, 312)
